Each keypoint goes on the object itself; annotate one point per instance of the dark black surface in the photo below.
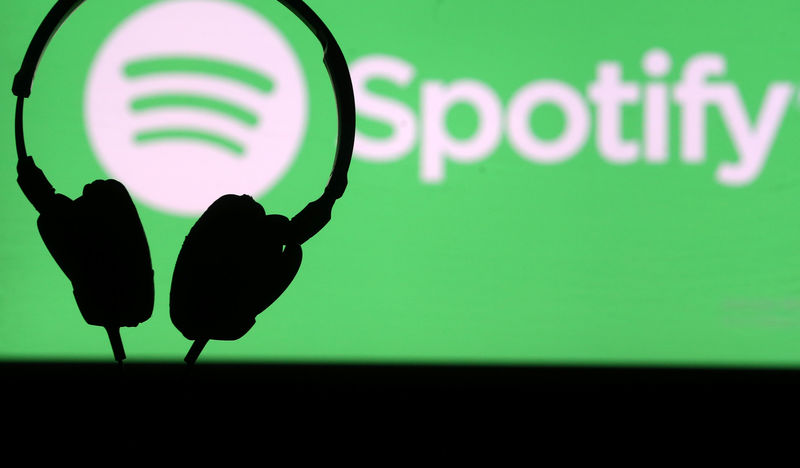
(386, 413)
(411, 382)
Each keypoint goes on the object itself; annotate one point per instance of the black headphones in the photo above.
(236, 260)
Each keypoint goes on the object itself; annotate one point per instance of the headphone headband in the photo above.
(334, 61)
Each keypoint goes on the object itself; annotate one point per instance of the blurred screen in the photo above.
(533, 182)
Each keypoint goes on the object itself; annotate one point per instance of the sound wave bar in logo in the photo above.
(205, 67)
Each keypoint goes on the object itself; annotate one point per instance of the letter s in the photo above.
(392, 112)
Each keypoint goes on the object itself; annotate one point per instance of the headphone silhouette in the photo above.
(236, 260)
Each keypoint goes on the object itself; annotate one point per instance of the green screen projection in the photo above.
(533, 182)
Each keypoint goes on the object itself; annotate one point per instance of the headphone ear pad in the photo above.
(232, 266)
(99, 243)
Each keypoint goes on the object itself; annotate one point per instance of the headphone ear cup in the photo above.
(232, 266)
(99, 243)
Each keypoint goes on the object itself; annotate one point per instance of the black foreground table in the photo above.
(369, 409)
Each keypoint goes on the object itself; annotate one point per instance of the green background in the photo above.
(507, 261)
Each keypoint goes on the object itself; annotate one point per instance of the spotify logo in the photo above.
(188, 100)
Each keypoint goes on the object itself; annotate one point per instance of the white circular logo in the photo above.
(189, 100)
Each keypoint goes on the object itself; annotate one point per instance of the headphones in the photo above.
(236, 260)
